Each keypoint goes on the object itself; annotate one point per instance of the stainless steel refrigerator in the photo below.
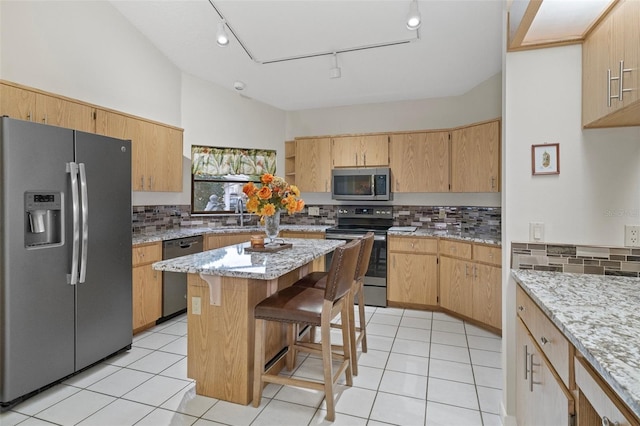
(65, 258)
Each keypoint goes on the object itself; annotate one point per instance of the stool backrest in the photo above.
(343, 268)
(365, 254)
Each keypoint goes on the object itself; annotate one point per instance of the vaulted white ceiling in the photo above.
(458, 46)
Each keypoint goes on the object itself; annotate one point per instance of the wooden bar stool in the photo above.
(316, 307)
(319, 280)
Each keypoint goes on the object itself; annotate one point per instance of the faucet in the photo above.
(240, 209)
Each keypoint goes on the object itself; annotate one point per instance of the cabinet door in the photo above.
(375, 150)
(456, 280)
(596, 60)
(146, 296)
(420, 162)
(413, 278)
(540, 398)
(627, 17)
(345, 151)
(63, 113)
(313, 165)
(475, 158)
(164, 162)
(487, 295)
(17, 103)
(360, 151)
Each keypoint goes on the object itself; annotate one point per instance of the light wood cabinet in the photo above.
(541, 398)
(319, 263)
(412, 271)
(156, 162)
(419, 162)
(147, 286)
(360, 151)
(614, 42)
(290, 162)
(471, 281)
(313, 165)
(215, 241)
(31, 105)
(475, 158)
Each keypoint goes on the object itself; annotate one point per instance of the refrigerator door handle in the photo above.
(72, 169)
(85, 222)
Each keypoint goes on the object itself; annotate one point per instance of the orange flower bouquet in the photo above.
(274, 195)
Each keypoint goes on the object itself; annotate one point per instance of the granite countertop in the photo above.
(234, 261)
(171, 234)
(420, 232)
(600, 316)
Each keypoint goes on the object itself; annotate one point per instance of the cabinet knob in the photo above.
(521, 308)
(544, 340)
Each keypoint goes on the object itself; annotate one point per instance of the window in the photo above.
(218, 174)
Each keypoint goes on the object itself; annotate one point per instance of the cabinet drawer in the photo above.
(147, 253)
(487, 254)
(595, 392)
(413, 244)
(455, 249)
(552, 342)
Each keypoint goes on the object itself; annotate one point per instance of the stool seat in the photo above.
(313, 279)
(295, 304)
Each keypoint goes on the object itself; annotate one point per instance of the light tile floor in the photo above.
(422, 368)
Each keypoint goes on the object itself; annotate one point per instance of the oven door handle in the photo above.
(353, 237)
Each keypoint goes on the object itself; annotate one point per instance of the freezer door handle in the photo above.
(72, 169)
(85, 221)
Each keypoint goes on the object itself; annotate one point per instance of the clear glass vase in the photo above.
(272, 227)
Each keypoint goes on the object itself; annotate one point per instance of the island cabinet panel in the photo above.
(146, 286)
(412, 271)
(24, 104)
(215, 241)
(541, 398)
(313, 165)
(615, 40)
(156, 161)
(475, 158)
(318, 265)
(419, 162)
(220, 338)
(360, 151)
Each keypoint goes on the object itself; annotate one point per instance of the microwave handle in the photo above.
(373, 184)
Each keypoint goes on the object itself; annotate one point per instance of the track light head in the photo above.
(221, 36)
(335, 72)
(414, 19)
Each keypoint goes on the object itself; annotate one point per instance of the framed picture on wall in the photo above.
(545, 159)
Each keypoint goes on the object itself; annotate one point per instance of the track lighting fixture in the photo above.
(335, 71)
(414, 19)
(221, 36)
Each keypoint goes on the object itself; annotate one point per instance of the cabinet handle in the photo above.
(475, 271)
(397, 185)
(620, 79)
(544, 340)
(326, 184)
(364, 159)
(29, 116)
(356, 159)
(521, 308)
(44, 119)
(607, 422)
(493, 183)
(531, 382)
(150, 182)
(622, 71)
(142, 182)
(526, 362)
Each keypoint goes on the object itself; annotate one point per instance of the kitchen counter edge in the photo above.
(447, 235)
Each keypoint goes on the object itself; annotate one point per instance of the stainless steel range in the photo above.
(354, 222)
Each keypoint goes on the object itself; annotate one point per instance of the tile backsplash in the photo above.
(476, 221)
(581, 259)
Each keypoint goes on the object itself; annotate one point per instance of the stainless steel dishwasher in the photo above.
(174, 284)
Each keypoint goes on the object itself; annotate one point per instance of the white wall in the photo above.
(597, 190)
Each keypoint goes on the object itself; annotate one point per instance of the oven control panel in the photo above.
(366, 211)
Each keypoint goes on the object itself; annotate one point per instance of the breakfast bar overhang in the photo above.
(223, 287)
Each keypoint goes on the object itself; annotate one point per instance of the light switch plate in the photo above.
(442, 214)
(196, 306)
(536, 231)
(314, 211)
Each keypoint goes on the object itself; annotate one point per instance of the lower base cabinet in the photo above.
(412, 271)
(146, 289)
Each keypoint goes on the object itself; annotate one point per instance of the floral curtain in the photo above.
(220, 163)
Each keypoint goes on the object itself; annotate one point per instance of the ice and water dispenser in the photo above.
(43, 219)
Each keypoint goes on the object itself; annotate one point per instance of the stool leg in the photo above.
(346, 338)
(363, 320)
(258, 362)
(352, 329)
(325, 336)
(291, 352)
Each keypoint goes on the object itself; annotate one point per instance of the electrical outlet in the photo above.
(442, 214)
(632, 235)
(314, 211)
(196, 306)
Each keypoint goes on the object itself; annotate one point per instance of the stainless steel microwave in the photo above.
(366, 184)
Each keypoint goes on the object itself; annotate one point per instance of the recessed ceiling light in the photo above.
(414, 19)
(221, 36)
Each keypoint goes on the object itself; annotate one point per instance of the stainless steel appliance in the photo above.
(174, 284)
(361, 184)
(354, 222)
(65, 258)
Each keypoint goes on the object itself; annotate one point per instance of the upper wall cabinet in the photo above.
(31, 105)
(419, 162)
(156, 161)
(360, 151)
(611, 69)
(313, 164)
(475, 158)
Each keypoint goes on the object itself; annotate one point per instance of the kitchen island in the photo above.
(223, 288)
